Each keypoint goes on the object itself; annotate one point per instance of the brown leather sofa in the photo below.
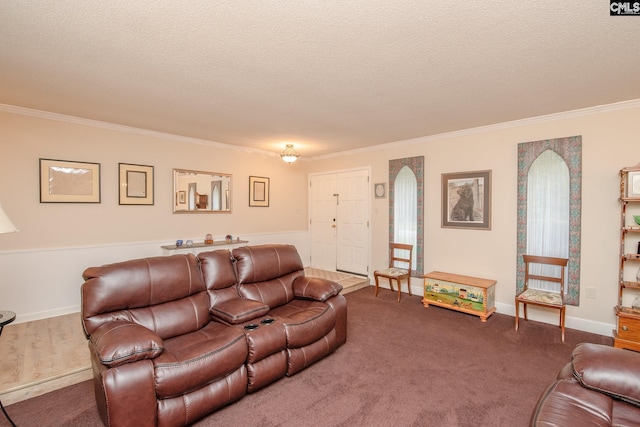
(174, 338)
(599, 387)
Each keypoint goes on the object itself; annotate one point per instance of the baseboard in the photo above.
(586, 325)
(45, 385)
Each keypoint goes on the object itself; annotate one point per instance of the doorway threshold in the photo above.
(349, 282)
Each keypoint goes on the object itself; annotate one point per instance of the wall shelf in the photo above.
(627, 333)
(196, 248)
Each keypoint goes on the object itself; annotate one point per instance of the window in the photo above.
(549, 205)
(406, 207)
(548, 214)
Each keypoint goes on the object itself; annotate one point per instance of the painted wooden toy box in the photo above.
(471, 295)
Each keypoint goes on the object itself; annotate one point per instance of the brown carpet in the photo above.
(403, 365)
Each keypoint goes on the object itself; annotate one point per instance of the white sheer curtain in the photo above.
(548, 214)
(406, 210)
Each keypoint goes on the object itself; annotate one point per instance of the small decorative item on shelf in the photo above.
(237, 239)
(638, 276)
(636, 218)
(229, 238)
(636, 303)
(179, 243)
(208, 239)
(189, 242)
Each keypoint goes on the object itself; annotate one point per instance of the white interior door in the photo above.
(353, 222)
(340, 221)
(323, 221)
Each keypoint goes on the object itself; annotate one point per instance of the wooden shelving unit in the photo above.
(627, 333)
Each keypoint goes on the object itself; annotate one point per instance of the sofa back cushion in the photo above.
(164, 294)
(219, 276)
(217, 269)
(266, 272)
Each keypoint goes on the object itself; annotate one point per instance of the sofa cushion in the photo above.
(265, 262)
(196, 359)
(305, 321)
(166, 320)
(274, 292)
(217, 269)
(608, 370)
(121, 341)
(118, 290)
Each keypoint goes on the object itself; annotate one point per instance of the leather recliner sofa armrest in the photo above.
(612, 371)
(315, 288)
(121, 341)
(238, 310)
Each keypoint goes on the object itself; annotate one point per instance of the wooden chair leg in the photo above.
(562, 322)
(409, 285)
(376, 277)
(399, 289)
(524, 309)
(391, 284)
(517, 314)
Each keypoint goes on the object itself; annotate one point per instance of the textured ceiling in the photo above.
(327, 76)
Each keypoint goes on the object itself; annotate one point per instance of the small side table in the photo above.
(6, 317)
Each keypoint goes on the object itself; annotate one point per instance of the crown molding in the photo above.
(617, 106)
(623, 105)
(41, 114)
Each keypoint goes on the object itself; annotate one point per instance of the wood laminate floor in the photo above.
(45, 355)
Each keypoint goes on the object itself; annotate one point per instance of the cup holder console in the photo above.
(251, 326)
(267, 321)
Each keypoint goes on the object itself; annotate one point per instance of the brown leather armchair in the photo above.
(599, 387)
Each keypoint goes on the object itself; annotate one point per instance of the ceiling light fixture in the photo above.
(289, 155)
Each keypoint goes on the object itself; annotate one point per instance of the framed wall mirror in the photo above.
(201, 192)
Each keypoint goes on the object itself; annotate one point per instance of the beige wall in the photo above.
(41, 265)
(43, 225)
(610, 142)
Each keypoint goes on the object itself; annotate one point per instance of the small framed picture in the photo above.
(64, 181)
(136, 184)
(380, 190)
(258, 191)
(633, 184)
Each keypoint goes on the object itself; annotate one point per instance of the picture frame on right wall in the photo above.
(466, 200)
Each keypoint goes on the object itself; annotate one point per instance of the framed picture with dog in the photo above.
(466, 200)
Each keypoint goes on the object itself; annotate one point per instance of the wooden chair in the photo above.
(399, 268)
(540, 297)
